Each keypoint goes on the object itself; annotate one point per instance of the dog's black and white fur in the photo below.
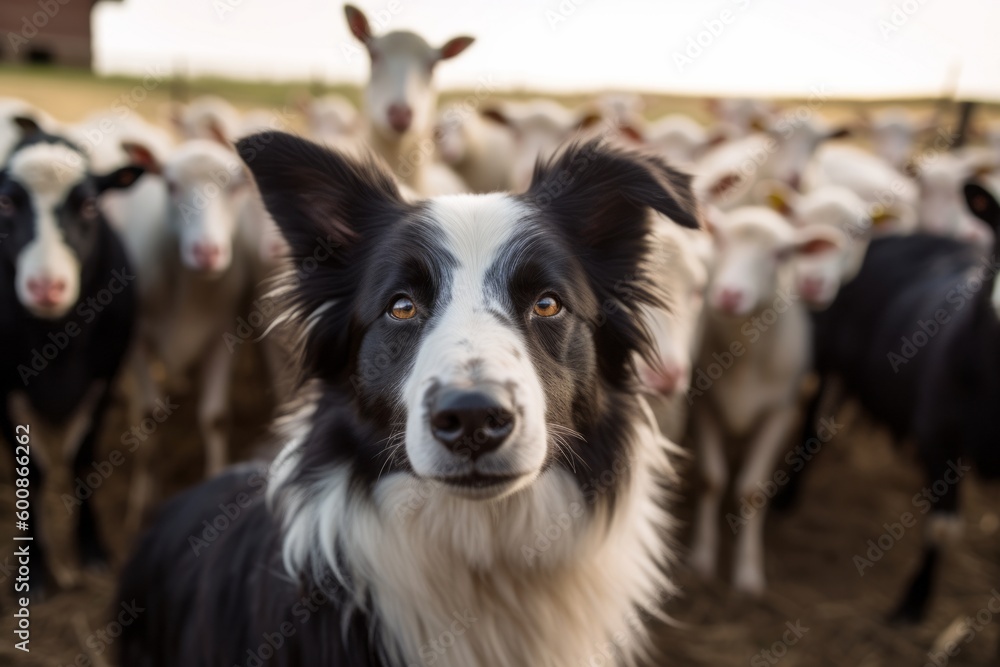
(388, 535)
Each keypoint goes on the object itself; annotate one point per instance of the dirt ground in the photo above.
(860, 485)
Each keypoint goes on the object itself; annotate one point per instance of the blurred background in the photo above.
(853, 60)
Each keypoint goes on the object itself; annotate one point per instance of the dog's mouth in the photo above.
(480, 486)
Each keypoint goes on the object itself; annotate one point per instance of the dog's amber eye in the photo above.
(547, 306)
(403, 309)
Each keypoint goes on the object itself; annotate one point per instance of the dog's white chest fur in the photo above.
(549, 577)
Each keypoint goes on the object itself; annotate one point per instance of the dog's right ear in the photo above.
(317, 194)
(331, 210)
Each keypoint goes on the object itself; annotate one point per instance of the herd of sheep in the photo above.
(826, 248)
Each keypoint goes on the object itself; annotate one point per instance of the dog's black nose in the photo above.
(470, 422)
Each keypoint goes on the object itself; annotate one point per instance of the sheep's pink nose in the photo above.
(400, 117)
(729, 299)
(206, 254)
(666, 379)
(810, 287)
(46, 291)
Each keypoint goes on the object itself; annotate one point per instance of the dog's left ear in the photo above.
(596, 183)
(601, 198)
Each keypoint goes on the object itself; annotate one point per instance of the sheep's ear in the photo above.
(216, 132)
(497, 116)
(28, 126)
(454, 46)
(632, 133)
(119, 179)
(358, 24)
(588, 119)
(882, 216)
(982, 204)
(840, 132)
(813, 240)
(141, 156)
(777, 196)
(722, 186)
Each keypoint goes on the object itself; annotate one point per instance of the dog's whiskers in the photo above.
(561, 437)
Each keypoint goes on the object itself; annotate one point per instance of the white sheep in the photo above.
(400, 103)
(480, 149)
(678, 138)
(745, 389)
(681, 267)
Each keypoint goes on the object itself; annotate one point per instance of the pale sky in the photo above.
(871, 48)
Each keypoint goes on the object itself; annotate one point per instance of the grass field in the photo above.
(71, 94)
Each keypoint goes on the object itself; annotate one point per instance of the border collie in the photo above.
(473, 478)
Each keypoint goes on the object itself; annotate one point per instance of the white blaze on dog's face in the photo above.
(400, 96)
(50, 219)
(477, 338)
(473, 387)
